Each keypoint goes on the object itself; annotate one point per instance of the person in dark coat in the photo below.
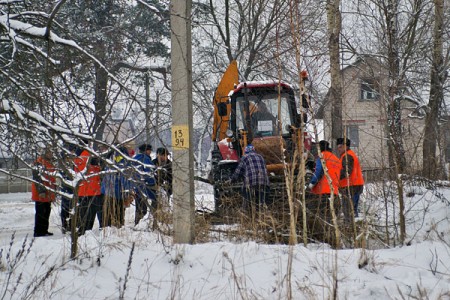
(43, 192)
(145, 183)
(164, 170)
(263, 121)
(67, 190)
(351, 181)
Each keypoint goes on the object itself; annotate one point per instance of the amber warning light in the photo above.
(304, 75)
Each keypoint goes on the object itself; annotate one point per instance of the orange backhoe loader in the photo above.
(266, 114)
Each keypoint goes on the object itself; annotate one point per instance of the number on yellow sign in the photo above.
(179, 138)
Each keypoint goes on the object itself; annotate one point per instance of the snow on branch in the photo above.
(151, 7)
(14, 108)
(13, 27)
(10, 1)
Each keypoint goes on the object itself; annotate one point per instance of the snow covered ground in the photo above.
(136, 263)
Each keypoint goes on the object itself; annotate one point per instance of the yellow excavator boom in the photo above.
(229, 79)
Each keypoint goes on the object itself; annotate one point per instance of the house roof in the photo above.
(119, 130)
(363, 58)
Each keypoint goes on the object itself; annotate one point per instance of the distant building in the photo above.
(364, 117)
(118, 131)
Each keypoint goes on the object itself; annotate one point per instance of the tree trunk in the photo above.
(396, 150)
(74, 224)
(395, 140)
(101, 85)
(430, 164)
(205, 132)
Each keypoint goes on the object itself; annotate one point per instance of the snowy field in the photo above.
(137, 263)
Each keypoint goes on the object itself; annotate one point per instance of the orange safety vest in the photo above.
(49, 181)
(356, 177)
(334, 168)
(90, 186)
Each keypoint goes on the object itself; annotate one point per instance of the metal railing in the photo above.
(14, 181)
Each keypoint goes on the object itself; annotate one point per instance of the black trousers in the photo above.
(141, 208)
(89, 207)
(142, 198)
(319, 217)
(66, 207)
(41, 218)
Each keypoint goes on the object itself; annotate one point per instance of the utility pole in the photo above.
(147, 108)
(182, 127)
(156, 141)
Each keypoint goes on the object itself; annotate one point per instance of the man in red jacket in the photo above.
(351, 181)
(89, 190)
(42, 192)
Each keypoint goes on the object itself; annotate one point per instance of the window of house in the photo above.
(369, 90)
(353, 135)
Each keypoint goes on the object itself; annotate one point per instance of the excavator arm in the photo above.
(221, 116)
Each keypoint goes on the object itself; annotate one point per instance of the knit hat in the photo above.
(161, 151)
(124, 150)
(340, 141)
(324, 146)
(249, 149)
(145, 147)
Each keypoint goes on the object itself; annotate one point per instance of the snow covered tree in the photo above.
(70, 58)
(439, 70)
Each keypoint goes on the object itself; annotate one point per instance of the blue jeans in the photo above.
(355, 199)
(351, 196)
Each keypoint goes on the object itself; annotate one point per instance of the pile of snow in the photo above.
(137, 263)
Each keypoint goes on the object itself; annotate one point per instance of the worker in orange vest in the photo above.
(321, 189)
(319, 184)
(43, 192)
(89, 190)
(351, 181)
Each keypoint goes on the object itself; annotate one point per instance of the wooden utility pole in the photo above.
(147, 108)
(182, 128)
(334, 23)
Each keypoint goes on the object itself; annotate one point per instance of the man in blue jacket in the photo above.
(145, 185)
(116, 187)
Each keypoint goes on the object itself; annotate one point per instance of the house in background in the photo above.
(364, 116)
(119, 130)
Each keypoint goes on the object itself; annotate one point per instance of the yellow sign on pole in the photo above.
(180, 137)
